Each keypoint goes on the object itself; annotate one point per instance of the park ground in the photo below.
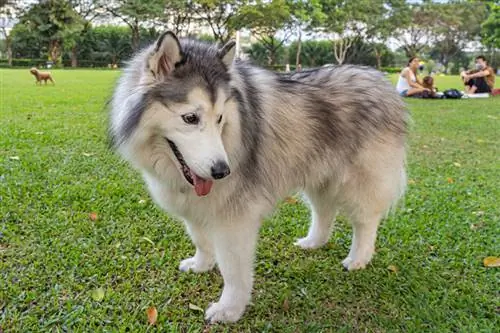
(84, 249)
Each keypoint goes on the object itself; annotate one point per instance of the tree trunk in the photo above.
(270, 57)
(445, 63)
(135, 37)
(340, 48)
(54, 51)
(8, 41)
(299, 49)
(410, 51)
(378, 56)
(74, 57)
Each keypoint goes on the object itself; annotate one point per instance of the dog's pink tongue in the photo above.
(201, 186)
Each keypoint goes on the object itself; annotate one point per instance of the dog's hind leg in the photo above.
(324, 210)
(371, 193)
(363, 241)
(203, 260)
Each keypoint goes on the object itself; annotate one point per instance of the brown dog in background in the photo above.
(41, 76)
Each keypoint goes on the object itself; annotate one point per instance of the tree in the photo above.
(8, 11)
(456, 24)
(221, 16)
(350, 20)
(260, 55)
(490, 29)
(113, 43)
(135, 13)
(178, 14)
(303, 14)
(391, 15)
(315, 52)
(416, 33)
(25, 44)
(269, 22)
(88, 10)
(53, 21)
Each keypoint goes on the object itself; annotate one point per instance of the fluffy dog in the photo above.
(220, 141)
(41, 76)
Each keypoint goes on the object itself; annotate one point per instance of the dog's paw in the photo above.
(352, 265)
(308, 243)
(224, 313)
(195, 265)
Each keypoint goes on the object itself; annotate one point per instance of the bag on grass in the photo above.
(452, 93)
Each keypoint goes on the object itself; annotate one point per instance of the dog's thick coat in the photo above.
(219, 142)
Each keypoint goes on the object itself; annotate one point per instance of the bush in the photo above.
(23, 63)
(88, 63)
(391, 70)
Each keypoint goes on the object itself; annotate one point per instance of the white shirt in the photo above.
(403, 83)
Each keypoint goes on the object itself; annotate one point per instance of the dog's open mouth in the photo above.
(201, 186)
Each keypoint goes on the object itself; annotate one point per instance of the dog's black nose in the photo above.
(220, 170)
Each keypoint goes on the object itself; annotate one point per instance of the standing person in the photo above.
(481, 79)
(408, 85)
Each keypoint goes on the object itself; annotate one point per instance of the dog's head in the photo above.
(34, 71)
(182, 106)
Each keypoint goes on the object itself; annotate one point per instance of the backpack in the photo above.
(452, 93)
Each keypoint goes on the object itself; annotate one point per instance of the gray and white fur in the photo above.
(220, 141)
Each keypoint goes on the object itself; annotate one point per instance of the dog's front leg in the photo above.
(203, 260)
(234, 245)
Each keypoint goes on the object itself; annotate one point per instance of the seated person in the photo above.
(479, 80)
(408, 84)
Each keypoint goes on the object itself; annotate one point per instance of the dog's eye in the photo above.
(191, 118)
(219, 119)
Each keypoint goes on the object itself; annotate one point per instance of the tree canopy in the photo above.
(441, 31)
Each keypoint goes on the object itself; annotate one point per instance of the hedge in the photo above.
(391, 70)
(23, 62)
(42, 63)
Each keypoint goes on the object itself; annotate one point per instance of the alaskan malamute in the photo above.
(220, 141)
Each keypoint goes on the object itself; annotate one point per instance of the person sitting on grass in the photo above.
(479, 80)
(408, 84)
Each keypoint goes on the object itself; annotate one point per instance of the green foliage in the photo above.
(223, 17)
(54, 22)
(445, 26)
(316, 53)
(113, 43)
(206, 38)
(265, 19)
(455, 25)
(135, 13)
(439, 31)
(20, 62)
(313, 53)
(391, 70)
(490, 28)
(260, 54)
(26, 44)
(306, 13)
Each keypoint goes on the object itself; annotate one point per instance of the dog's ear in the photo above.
(227, 52)
(166, 55)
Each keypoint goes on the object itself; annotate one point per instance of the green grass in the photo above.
(52, 256)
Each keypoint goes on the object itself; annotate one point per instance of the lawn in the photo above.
(55, 260)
